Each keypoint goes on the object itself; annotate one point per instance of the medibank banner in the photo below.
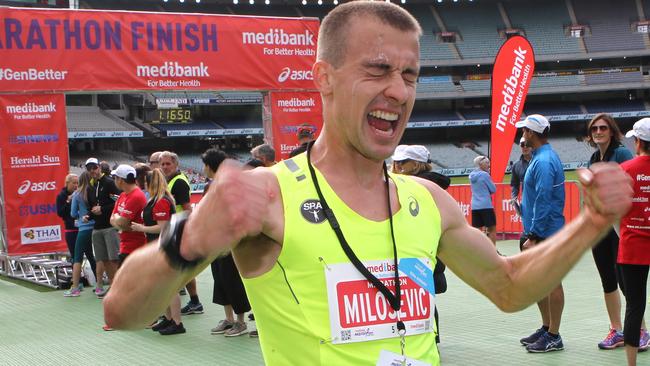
(508, 221)
(289, 112)
(67, 50)
(513, 70)
(34, 155)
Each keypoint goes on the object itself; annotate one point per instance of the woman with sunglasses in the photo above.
(604, 135)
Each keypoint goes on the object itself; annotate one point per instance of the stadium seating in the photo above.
(434, 115)
(478, 26)
(82, 119)
(557, 81)
(195, 125)
(609, 106)
(614, 77)
(545, 33)
(430, 47)
(609, 22)
(553, 109)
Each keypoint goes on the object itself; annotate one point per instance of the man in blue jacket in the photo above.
(542, 215)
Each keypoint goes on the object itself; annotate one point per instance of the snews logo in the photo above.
(312, 211)
(40, 234)
(295, 75)
(28, 185)
(33, 139)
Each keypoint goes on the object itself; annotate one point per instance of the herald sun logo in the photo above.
(294, 75)
(28, 185)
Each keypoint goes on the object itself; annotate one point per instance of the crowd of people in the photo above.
(251, 224)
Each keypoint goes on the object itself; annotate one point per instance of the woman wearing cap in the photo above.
(634, 249)
(83, 244)
(415, 160)
(604, 135)
(482, 190)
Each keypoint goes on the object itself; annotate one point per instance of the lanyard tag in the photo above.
(387, 358)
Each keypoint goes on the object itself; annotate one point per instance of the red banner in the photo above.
(507, 219)
(34, 149)
(64, 50)
(511, 76)
(289, 111)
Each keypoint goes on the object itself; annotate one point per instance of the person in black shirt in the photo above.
(63, 202)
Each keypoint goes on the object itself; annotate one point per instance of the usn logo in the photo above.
(288, 74)
(41, 234)
(38, 209)
(414, 206)
(312, 211)
(28, 185)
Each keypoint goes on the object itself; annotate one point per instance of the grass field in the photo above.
(568, 175)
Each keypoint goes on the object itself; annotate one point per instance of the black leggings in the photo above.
(635, 278)
(605, 254)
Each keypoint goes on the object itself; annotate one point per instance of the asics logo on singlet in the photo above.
(312, 211)
(414, 206)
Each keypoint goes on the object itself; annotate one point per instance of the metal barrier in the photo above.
(43, 269)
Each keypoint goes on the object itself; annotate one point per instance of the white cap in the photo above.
(412, 152)
(92, 161)
(123, 171)
(641, 130)
(535, 122)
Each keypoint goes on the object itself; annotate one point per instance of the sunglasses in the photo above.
(599, 128)
(523, 144)
(92, 167)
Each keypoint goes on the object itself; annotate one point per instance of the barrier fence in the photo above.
(508, 221)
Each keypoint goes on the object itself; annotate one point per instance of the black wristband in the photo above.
(170, 242)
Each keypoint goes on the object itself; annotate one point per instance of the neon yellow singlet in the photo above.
(170, 185)
(290, 301)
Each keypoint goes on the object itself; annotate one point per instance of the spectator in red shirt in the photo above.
(634, 246)
(128, 209)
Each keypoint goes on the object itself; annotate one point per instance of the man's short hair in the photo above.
(334, 29)
(155, 157)
(213, 157)
(105, 167)
(265, 150)
(169, 154)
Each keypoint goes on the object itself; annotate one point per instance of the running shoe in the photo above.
(253, 334)
(613, 340)
(236, 330)
(222, 327)
(546, 343)
(644, 341)
(100, 292)
(182, 292)
(162, 324)
(173, 328)
(192, 308)
(533, 337)
(73, 292)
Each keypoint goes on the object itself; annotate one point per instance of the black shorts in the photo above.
(484, 217)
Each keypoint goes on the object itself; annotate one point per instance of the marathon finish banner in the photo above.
(508, 221)
(70, 50)
(511, 77)
(34, 156)
(289, 112)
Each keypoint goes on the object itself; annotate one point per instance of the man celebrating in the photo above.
(317, 232)
(542, 210)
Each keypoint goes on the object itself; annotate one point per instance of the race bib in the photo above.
(359, 312)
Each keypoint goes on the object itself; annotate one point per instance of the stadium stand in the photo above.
(434, 115)
(478, 26)
(609, 22)
(82, 119)
(557, 81)
(545, 33)
(430, 47)
(553, 109)
(475, 85)
(614, 77)
(195, 125)
(608, 106)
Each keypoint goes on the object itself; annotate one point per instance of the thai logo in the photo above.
(41, 234)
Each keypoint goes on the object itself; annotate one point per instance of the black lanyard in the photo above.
(393, 299)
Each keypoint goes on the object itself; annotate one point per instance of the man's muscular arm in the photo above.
(237, 206)
(515, 282)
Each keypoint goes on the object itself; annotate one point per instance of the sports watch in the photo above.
(170, 242)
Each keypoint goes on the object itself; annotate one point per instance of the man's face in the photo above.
(525, 149)
(373, 91)
(72, 184)
(94, 171)
(119, 182)
(154, 161)
(168, 166)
